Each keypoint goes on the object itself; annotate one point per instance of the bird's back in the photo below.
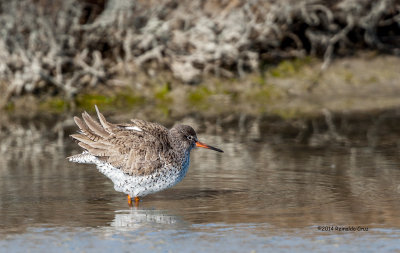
(137, 148)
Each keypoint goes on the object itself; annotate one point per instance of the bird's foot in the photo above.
(129, 200)
(136, 199)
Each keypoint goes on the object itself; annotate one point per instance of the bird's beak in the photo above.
(202, 145)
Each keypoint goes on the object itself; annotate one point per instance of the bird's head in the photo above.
(183, 135)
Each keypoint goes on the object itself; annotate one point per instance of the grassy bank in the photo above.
(292, 89)
(74, 48)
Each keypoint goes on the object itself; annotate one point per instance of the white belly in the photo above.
(138, 186)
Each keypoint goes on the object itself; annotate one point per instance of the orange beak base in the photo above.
(202, 145)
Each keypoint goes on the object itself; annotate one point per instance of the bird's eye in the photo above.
(190, 138)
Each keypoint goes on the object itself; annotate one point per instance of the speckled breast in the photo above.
(148, 184)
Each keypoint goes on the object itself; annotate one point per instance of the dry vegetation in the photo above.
(60, 47)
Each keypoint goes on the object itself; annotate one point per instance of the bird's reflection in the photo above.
(136, 217)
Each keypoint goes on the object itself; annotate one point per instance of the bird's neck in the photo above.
(186, 161)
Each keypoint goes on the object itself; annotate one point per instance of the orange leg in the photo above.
(136, 199)
(129, 201)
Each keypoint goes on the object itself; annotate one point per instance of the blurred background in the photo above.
(284, 58)
(303, 97)
(303, 63)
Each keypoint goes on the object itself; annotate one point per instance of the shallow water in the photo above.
(264, 193)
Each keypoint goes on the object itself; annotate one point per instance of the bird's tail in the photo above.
(85, 157)
(90, 137)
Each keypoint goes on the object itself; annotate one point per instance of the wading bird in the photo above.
(140, 157)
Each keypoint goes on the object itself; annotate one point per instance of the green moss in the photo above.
(199, 97)
(348, 77)
(235, 96)
(120, 100)
(88, 101)
(163, 110)
(163, 100)
(162, 93)
(126, 99)
(286, 113)
(261, 80)
(9, 107)
(54, 104)
(288, 68)
(372, 79)
(266, 95)
(258, 79)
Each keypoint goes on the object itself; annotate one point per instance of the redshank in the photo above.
(141, 157)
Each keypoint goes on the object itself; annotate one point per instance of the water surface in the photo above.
(264, 193)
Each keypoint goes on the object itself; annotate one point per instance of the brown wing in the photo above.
(134, 148)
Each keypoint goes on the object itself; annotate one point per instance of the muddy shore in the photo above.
(354, 99)
(292, 89)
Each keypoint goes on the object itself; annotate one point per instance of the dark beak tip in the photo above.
(217, 149)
